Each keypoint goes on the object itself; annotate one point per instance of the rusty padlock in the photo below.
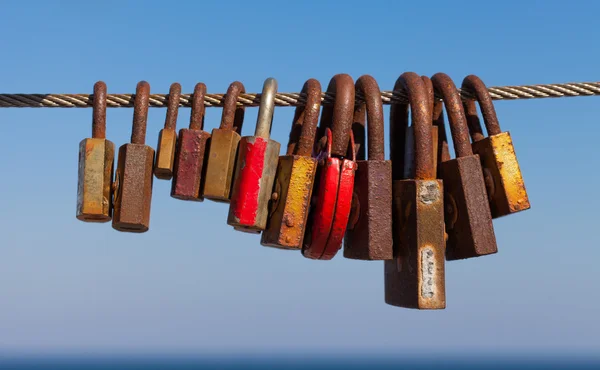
(255, 169)
(191, 147)
(467, 211)
(167, 138)
(503, 179)
(416, 278)
(96, 161)
(328, 218)
(295, 177)
(224, 141)
(369, 234)
(133, 180)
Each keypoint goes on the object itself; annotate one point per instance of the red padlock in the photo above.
(328, 218)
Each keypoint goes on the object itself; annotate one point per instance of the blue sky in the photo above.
(191, 284)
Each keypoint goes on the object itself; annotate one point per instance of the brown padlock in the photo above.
(96, 161)
(503, 179)
(222, 155)
(133, 181)
(468, 217)
(416, 278)
(369, 233)
(167, 138)
(295, 177)
(190, 155)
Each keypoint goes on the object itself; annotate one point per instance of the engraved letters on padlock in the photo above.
(255, 169)
(96, 160)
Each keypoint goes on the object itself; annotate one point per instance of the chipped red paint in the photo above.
(342, 210)
(245, 204)
(324, 209)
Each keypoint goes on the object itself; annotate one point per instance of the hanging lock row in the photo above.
(413, 211)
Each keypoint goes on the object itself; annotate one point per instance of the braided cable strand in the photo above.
(286, 99)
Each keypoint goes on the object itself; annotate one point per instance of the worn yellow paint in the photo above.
(96, 160)
(497, 155)
(294, 184)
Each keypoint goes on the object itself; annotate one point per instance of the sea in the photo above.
(297, 363)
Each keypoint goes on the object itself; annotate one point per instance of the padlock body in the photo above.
(165, 154)
(506, 189)
(94, 180)
(416, 277)
(467, 211)
(320, 218)
(371, 237)
(253, 184)
(189, 165)
(220, 165)
(289, 211)
(133, 190)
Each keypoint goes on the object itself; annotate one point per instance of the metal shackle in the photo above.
(306, 117)
(198, 108)
(371, 94)
(233, 115)
(474, 85)
(99, 111)
(338, 117)
(173, 106)
(266, 109)
(421, 121)
(456, 115)
(140, 113)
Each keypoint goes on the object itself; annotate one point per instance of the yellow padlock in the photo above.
(292, 191)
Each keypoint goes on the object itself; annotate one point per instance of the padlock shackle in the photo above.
(456, 114)
(371, 94)
(339, 116)
(173, 106)
(233, 115)
(198, 108)
(430, 94)
(266, 108)
(99, 111)
(476, 86)
(140, 113)
(306, 118)
(421, 122)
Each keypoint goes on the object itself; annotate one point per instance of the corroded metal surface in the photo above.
(504, 181)
(369, 234)
(416, 278)
(255, 170)
(222, 154)
(133, 181)
(467, 213)
(341, 111)
(96, 161)
(191, 147)
(94, 194)
(293, 187)
(167, 138)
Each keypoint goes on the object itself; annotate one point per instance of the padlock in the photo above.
(293, 187)
(416, 278)
(369, 233)
(133, 180)
(328, 217)
(503, 179)
(167, 138)
(96, 161)
(191, 146)
(467, 211)
(224, 141)
(255, 169)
